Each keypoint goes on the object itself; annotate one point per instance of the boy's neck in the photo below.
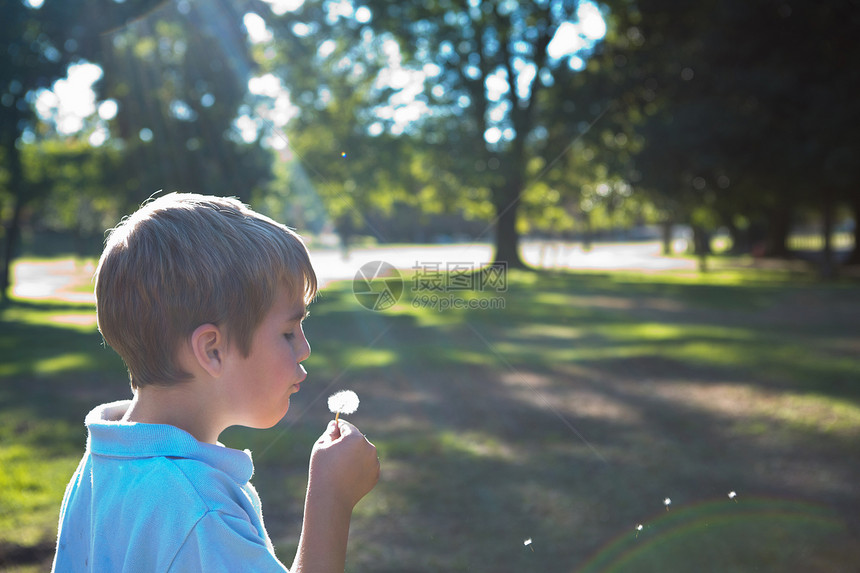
(177, 405)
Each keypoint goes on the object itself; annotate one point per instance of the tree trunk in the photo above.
(701, 241)
(588, 233)
(13, 228)
(854, 258)
(666, 228)
(344, 229)
(507, 201)
(758, 235)
(828, 268)
(741, 243)
(778, 231)
(701, 246)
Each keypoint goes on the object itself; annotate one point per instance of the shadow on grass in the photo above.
(46, 305)
(48, 362)
(568, 417)
(53, 369)
(470, 472)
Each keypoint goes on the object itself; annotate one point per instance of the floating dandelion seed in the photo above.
(639, 528)
(733, 496)
(528, 543)
(343, 402)
(667, 502)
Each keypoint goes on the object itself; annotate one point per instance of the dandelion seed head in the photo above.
(527, 541)
(667, 502)
(732, 495)
(343, 402)
(639, 527)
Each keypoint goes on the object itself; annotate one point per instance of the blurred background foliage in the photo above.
(411, 121)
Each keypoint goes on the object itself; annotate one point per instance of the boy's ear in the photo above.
(208, 345)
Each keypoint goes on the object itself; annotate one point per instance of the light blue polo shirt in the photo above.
(150, 497)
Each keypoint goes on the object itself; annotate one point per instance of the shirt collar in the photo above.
(110, 436)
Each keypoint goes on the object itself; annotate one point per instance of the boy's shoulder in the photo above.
(152, 495)
(162, 463)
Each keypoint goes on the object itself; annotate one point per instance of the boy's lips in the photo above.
(304, 375)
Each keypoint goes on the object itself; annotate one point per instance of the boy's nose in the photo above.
(305, 351)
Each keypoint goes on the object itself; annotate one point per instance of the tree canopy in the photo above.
(740, 108)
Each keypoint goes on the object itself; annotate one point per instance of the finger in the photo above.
(346, 428)
(331, 434)
(334, 430)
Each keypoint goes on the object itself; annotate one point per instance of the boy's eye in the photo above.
(292, 335)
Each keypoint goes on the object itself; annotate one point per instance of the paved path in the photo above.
(58, 279)
(330, 265)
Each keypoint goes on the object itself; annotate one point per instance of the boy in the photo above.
(204, 300)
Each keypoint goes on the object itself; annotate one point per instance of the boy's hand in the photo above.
(344, 464)
(343, 468)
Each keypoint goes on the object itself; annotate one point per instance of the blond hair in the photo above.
(183, 260)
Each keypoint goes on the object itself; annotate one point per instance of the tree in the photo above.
(483, 66)
(330, 67)
(742, 104)
(74, 187)
(180, 79)
(492, 64)
(39, 44)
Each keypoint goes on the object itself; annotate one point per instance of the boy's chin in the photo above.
(261, 425)
(270, 423)
(267, 419)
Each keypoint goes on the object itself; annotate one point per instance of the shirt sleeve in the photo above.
(220, 542)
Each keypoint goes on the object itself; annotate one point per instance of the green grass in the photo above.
(720, 536)
(565, 417)
(52, 365)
